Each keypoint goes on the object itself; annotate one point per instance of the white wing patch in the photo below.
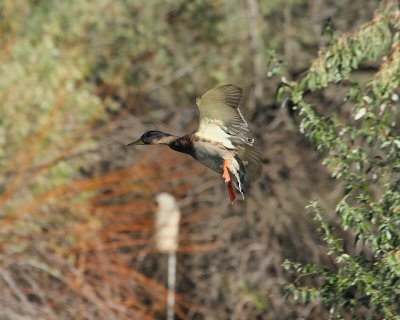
(213, 129)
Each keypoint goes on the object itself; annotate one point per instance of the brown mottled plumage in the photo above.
(221, 142)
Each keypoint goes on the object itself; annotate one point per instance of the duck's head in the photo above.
(153, 137)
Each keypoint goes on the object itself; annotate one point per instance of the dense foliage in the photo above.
(363, 152)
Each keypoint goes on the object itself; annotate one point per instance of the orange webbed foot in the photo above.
(225, 172)
(231, 191)
(228, 181)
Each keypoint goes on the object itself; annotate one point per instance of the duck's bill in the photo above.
(135, 143)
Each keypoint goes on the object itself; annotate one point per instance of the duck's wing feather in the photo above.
(220, 118)
(251, 158)
(221, 121)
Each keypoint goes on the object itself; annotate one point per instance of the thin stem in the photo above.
(171, 285)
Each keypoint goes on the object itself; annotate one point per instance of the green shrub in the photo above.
(363, 152)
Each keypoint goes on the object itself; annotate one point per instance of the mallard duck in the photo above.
(221, 143)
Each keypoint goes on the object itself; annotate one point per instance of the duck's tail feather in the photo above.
(239, 176)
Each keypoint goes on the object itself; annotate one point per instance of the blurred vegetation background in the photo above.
(80, 79)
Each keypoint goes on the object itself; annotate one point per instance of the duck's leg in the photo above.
(225, 172)
(228, 181)
(231, 191)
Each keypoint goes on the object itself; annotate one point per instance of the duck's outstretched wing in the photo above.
(220, 119)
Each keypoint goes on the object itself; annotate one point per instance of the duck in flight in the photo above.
(221, 143)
